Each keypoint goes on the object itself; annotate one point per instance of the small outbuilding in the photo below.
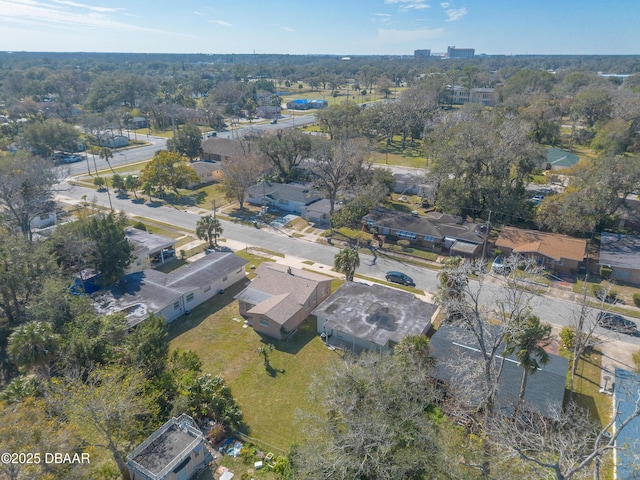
(176, 451)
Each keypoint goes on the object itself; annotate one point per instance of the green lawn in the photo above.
(215, 331)
(588, 396)
(394, 154)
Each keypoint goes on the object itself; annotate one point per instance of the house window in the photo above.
(403, 234)
(559, 263)
(189, 297)
(429, 238)
(176, 305)
(264, 322)
(313, 297)
(306, 304)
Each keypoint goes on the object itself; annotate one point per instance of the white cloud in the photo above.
(220, 22)
(88, 7)
(382, 18)
(198, 13)
(64, 14)
(283, 27)
(402, 36)
(405, 5)
(454, 14)
(445, 4)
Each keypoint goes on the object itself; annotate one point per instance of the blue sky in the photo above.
(346, 27)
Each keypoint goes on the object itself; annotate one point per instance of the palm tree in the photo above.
(528, 342)
(147, 189)
(346, 261)
(33, 345)
(132, 182)
(209, 228)
(106, 154)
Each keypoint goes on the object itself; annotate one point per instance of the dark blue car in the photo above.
(401, 278)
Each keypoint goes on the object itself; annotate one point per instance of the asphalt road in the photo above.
(555, 311)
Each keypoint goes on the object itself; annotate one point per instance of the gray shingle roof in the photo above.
(621, 251)
(545, 388)
(292, 192)
(140, 293)
(375, 313)
(225, 147)
(437, 225)
(146, 241)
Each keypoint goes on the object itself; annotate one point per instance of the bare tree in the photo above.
(336, 164)
(242, 172)
(26, 189)
(563, 445)
(490, 322)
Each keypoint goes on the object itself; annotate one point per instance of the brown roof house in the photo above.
(278, 300)
(556, 252)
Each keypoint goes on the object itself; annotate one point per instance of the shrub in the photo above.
(605, 272)
(404, 243)
(567, 337)
(636, 299)
(636, 360)
(140, 226)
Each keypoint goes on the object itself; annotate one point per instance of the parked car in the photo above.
(401, 278)
(617, 323)
(537, 199)
(498, 266)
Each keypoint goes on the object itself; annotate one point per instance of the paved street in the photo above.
(552, 309)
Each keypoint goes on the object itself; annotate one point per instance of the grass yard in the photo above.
(394, 154)
(269, 401)
(588, 396)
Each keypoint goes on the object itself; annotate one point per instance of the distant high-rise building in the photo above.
(425, 53)
(453, 52)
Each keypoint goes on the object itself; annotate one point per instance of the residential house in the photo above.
(411, 184)
(207, 172)
(452, 346)
(318, 212)
(139, 122)
(627, 446)
(290, 197)
(436, 231)
(218, 149)
(176, 451)
(147, 247)
(45, 219)
(622, 254)
(559, 253)
(279, 298)
(111, 140)
(362, 317)
(173, 294)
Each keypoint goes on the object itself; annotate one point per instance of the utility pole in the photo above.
(486, 235)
